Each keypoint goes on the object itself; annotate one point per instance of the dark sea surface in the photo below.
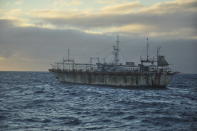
(36, 101)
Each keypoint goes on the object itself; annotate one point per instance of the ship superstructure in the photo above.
(151, 72)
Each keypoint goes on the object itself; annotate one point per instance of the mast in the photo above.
(147, 48)
(68, 54)
(158, 50)
(116, 51)
(63, 63)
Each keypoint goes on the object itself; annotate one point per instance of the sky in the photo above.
(37, 33)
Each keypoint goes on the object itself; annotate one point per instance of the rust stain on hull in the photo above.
(122, 79)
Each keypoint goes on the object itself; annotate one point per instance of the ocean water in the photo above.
(36, 101)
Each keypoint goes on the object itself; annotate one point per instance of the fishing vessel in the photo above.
(152, 72)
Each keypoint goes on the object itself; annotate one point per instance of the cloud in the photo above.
(134, 29)
(33, 48)
(162, 17)
(11, 14)
(2, 58)
(58, 4)
(53, 14)
(19, 2)
(108, 1)
(173, 18)
(171, 7)
(126, 7)
(33, 39)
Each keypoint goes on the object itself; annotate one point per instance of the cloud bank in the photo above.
(35, 38)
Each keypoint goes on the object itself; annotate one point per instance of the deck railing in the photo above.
(106, 68)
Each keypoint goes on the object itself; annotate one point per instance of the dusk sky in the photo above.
(36, 33)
